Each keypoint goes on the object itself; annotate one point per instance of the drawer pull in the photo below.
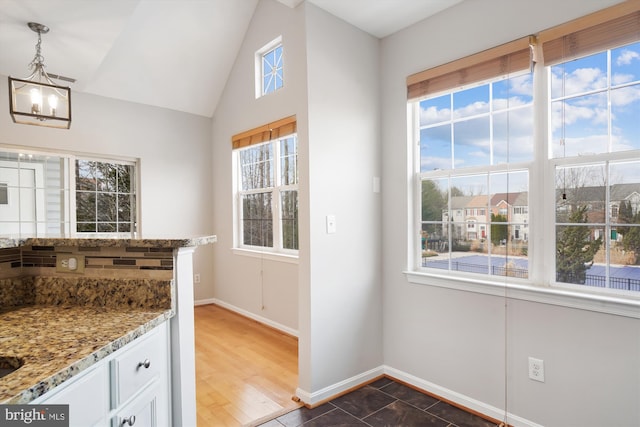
(144, 364)
(129, 421)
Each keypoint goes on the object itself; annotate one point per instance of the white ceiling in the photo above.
(173, 54)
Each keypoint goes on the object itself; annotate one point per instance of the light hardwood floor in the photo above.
(245, 371)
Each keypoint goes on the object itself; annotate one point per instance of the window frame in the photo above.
(541, 285)
(277, 251)
(260, 74)
(68, 208)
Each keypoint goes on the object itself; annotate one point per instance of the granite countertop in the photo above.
(159, 242)
(57, 342)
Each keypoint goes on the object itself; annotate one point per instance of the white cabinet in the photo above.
(87, 396)
(129, 387)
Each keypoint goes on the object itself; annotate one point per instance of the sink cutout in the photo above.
(9, 365)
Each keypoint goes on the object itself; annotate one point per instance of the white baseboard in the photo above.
(250, 315)
(459, 399)
(338, 388)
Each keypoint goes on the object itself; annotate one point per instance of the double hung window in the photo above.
(501, 155)
(267, 188)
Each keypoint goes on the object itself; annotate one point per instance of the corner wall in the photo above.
(470, 346)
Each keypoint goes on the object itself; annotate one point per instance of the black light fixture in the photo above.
(36, 99)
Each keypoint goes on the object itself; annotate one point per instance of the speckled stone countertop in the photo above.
(56, 342)
(108, 242)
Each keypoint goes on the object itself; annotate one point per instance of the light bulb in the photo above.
(36, 100)
(53, 104)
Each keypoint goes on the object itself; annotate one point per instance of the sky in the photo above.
(580, 99)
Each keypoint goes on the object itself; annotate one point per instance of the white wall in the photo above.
(344, 158)
(261, 287)
(331, 85)
(174, 150)
(454, 341)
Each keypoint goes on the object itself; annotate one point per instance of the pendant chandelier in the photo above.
(36, 99)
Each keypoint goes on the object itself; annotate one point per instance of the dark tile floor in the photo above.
(382, 403)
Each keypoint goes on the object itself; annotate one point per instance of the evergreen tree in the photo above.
(498, 231)
(631, 237)
(575, 249)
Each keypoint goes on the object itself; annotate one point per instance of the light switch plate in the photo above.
(331, 224)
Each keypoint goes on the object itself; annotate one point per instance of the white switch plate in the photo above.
(331, 224)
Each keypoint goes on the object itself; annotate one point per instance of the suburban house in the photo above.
(353, 291)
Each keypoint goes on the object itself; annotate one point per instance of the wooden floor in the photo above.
(245, 371)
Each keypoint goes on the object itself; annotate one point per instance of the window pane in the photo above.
(107, 209)
(625, 118)
(288, 161)
(576, 247)
(471, 102)
(85, 175)
(471, 145)
(579, 76)
(624, 64)
(124, 208)
(512, 92)
(435, 148)
(581, 189)
(125, 173)
(580, 125)
(85, 207)
(256, 167)
(513, 136)
(435, 110)
(289, 202)
(106, 175)
(257, 220)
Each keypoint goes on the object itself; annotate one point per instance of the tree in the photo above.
(498, 231)
(575, 249)
(433, 201)
(631, 237)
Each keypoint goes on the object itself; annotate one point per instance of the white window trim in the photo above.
(277, 252)
(70, 181)
(540, 287)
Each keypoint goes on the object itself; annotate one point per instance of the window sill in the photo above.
(620, 306)
(271, 256)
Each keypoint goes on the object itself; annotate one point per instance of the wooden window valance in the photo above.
(507, 58)
(264, 133)
(605, 29)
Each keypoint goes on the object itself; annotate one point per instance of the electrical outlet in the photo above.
(196, 278)
(536, 369)
(70, 263)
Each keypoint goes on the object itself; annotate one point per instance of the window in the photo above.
(269, 68)
(267, 188)
(57, 195)
(105, 197)
(474, 132)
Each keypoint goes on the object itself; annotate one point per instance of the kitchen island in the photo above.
(117, 290)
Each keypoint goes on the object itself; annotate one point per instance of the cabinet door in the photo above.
(142, 411)
(87, 397)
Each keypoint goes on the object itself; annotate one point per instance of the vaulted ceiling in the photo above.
(173, 54)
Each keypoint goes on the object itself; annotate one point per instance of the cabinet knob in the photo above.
(129, 421)
(144, 364)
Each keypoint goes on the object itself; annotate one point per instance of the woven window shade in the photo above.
(264, 133)
(605, 29)
(507, 58)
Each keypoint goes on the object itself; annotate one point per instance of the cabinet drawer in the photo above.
(136, 367)
(140, 412)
